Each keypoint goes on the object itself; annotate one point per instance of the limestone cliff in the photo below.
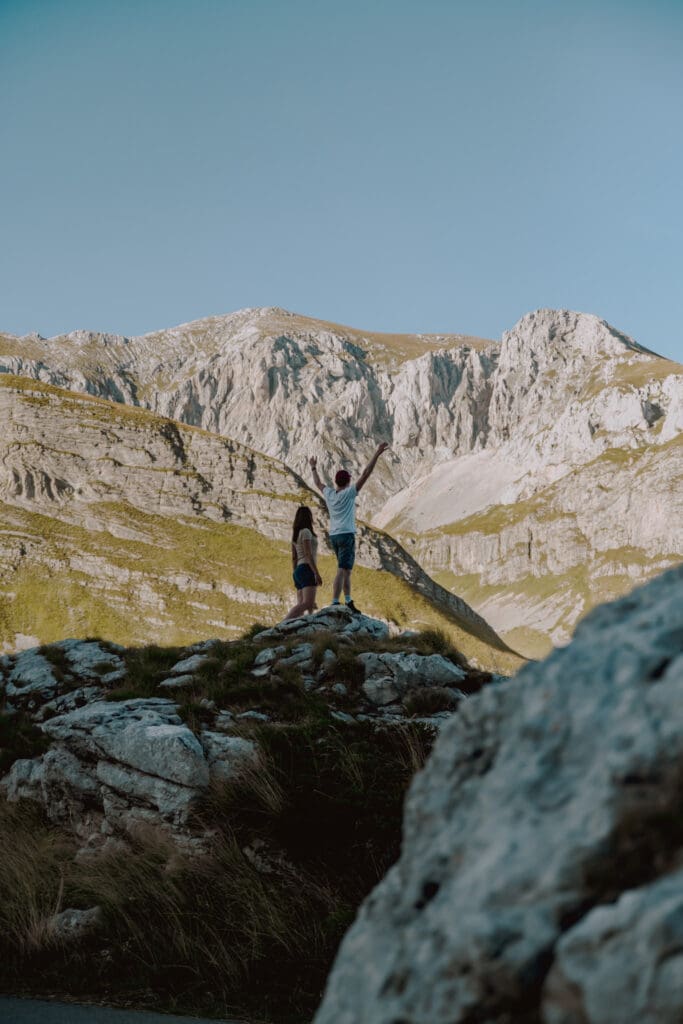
(119, 523)
(476, 429)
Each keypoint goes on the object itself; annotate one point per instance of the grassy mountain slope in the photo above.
(120, 523)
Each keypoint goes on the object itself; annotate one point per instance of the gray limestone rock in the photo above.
(31, 680)
(623, 962)
(68, 701)
(113, 765)
(268, 655)
(389, 676)
(73, 926)
(188, 665)
(89, 660)
(300, 655)
(176, 682)
(228, 755)
(145, 734)
(534, 793)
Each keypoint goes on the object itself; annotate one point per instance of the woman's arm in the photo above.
(294, 556)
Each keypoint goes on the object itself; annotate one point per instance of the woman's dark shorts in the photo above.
(304, 576)
(344, 547)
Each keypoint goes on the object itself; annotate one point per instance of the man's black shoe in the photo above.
(352, 608)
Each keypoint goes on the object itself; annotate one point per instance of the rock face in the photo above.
(502, 473)
(540, 871)
(149, 528)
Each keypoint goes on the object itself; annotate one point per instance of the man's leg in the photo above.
(346, 583)
(337, 585)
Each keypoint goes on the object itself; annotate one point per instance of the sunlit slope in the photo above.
(535, 567)
(120, 523)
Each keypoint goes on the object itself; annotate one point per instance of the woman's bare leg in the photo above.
(305, 603)
(294, 612)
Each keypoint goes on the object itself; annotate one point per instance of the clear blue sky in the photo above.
(403, 165)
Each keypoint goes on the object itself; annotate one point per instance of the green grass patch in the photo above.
(251, 926)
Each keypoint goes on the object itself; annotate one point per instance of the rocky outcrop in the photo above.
(115, 761)
(538, 876)
(112, 766)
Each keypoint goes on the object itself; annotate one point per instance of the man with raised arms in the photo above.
(341, 504)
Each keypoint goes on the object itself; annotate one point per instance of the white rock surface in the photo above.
(145, 734)
(389, 676)
(176, 682)
(228, 755)
(514, 832)
(115, 764)
(188, 665)
(31, 679)
(629, 950)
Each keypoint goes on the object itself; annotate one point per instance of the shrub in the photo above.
(32, 859)
(19, 738)
(146, 667)
(429, 700)
(58, 661)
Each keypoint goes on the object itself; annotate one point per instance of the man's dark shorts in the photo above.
(304, 576)
(344, 547)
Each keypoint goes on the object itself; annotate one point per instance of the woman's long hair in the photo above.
(303, 520)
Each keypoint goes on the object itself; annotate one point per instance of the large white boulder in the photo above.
(145, 734)
(113, 765)
(518, 827)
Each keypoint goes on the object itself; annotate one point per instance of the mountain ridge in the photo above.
(473, 427)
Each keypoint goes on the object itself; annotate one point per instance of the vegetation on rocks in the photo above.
(245, 919)
(249, 926)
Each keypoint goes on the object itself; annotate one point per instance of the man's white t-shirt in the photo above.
(342, 508)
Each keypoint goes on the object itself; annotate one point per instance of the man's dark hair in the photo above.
(342, 478)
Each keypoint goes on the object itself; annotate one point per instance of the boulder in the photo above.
(191, 664)
(31, 680)
(541, 801)
(176, 682)
(300, 655)
(73, 926)
(268, 655)
(113, 765)
(228, 755)
(145, 734)
(389, 676)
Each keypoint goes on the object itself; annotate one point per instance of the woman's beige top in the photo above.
(305, 535)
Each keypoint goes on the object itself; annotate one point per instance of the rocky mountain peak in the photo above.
(565, 332)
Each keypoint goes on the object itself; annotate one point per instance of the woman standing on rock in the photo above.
(307, 579)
